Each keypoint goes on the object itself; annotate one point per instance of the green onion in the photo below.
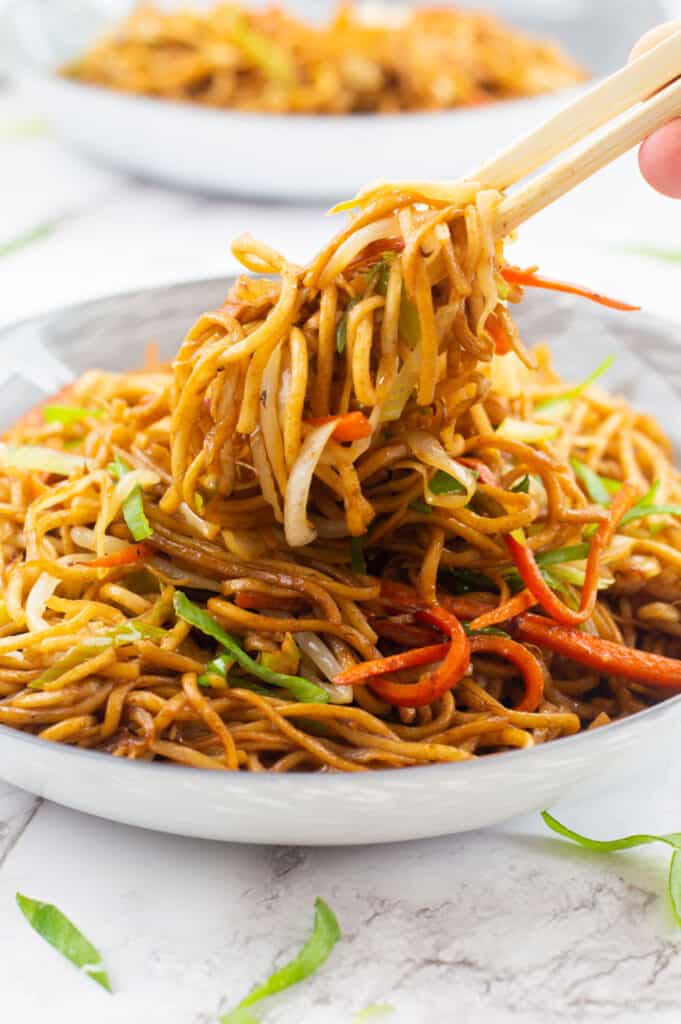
(373, 1013)
(445, 483)
(380, 273)
(522, 486)
(302, 689)
(133, 506)
(673, 839)
(571, 553)
(325, 934)
(342, 328)
(68, 413)
(36, 234)
(562, 402)
(130, 632)
(421, 507)
(219, 666)
(593, 484)
(466, 581)
(654, 252)
(42, 460)
(647, 507)
(49, 922)
(409, 324)
(357, 560)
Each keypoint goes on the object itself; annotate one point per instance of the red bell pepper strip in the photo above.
(528, 278)
(604, 656)
(350, 426)
(522, 658)
(128, 556)
(485, 474)
(530, 573)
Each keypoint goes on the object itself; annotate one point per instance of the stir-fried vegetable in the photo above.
(130, 632)
(559, 405)
(53, 926)
(342, 328)
(68, 413)
(532, 577)
(350, 426)
(41, 460)
(601, 490)
(445, 483)
(301, 689)
(527, 432)
(673, 839)
(133, 506)
(128, 556)
(325, 934)
(529, 278)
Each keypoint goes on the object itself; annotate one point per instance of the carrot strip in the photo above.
(515, 605)
(499, 335)
(522, 658)
(128, 556)
(485, 474)
(350, 426)
(528, 278)
(604, 656)
(393, 663)
(531, 576)
(430, 687)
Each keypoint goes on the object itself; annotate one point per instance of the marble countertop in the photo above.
(496, 926)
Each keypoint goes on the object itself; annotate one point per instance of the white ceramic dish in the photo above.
(40, 355)
(274, 156)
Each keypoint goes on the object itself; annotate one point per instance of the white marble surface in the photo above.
(495, 926)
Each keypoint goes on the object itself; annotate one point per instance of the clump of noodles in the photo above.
(242, 559)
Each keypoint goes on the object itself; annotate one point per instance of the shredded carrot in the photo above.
(393, 663)
(522, 658)
(374, 250)
(515, 605)
(350, 426)
(431, 686)
(604, 656)
(530, 573)
(528, 278)
(128, 556)
(499, 335)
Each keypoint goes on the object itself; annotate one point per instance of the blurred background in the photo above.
(74, 227)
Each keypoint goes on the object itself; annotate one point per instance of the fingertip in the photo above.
(660, 160)
(653, 37)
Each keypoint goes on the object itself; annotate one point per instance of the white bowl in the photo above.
(306, 158)
(40, 355)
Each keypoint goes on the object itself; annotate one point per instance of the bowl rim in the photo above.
(567, 744)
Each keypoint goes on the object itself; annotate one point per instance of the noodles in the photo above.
(362, 547)
(269, 60)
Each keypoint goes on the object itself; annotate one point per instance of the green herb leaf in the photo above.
(593, 484)
(522, 486)
(654, 252)
(302, 689)
(672, 839)
(445, 483)
(325, 934)
(68, 413)
(357, 560)
(421, 507)
(133, 506)
(555, 404)
(55, 928)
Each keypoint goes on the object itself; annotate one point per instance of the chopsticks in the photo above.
(633, 102)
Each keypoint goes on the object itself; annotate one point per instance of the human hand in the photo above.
(660, 155)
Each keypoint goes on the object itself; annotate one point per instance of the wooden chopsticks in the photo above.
(633, 102)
